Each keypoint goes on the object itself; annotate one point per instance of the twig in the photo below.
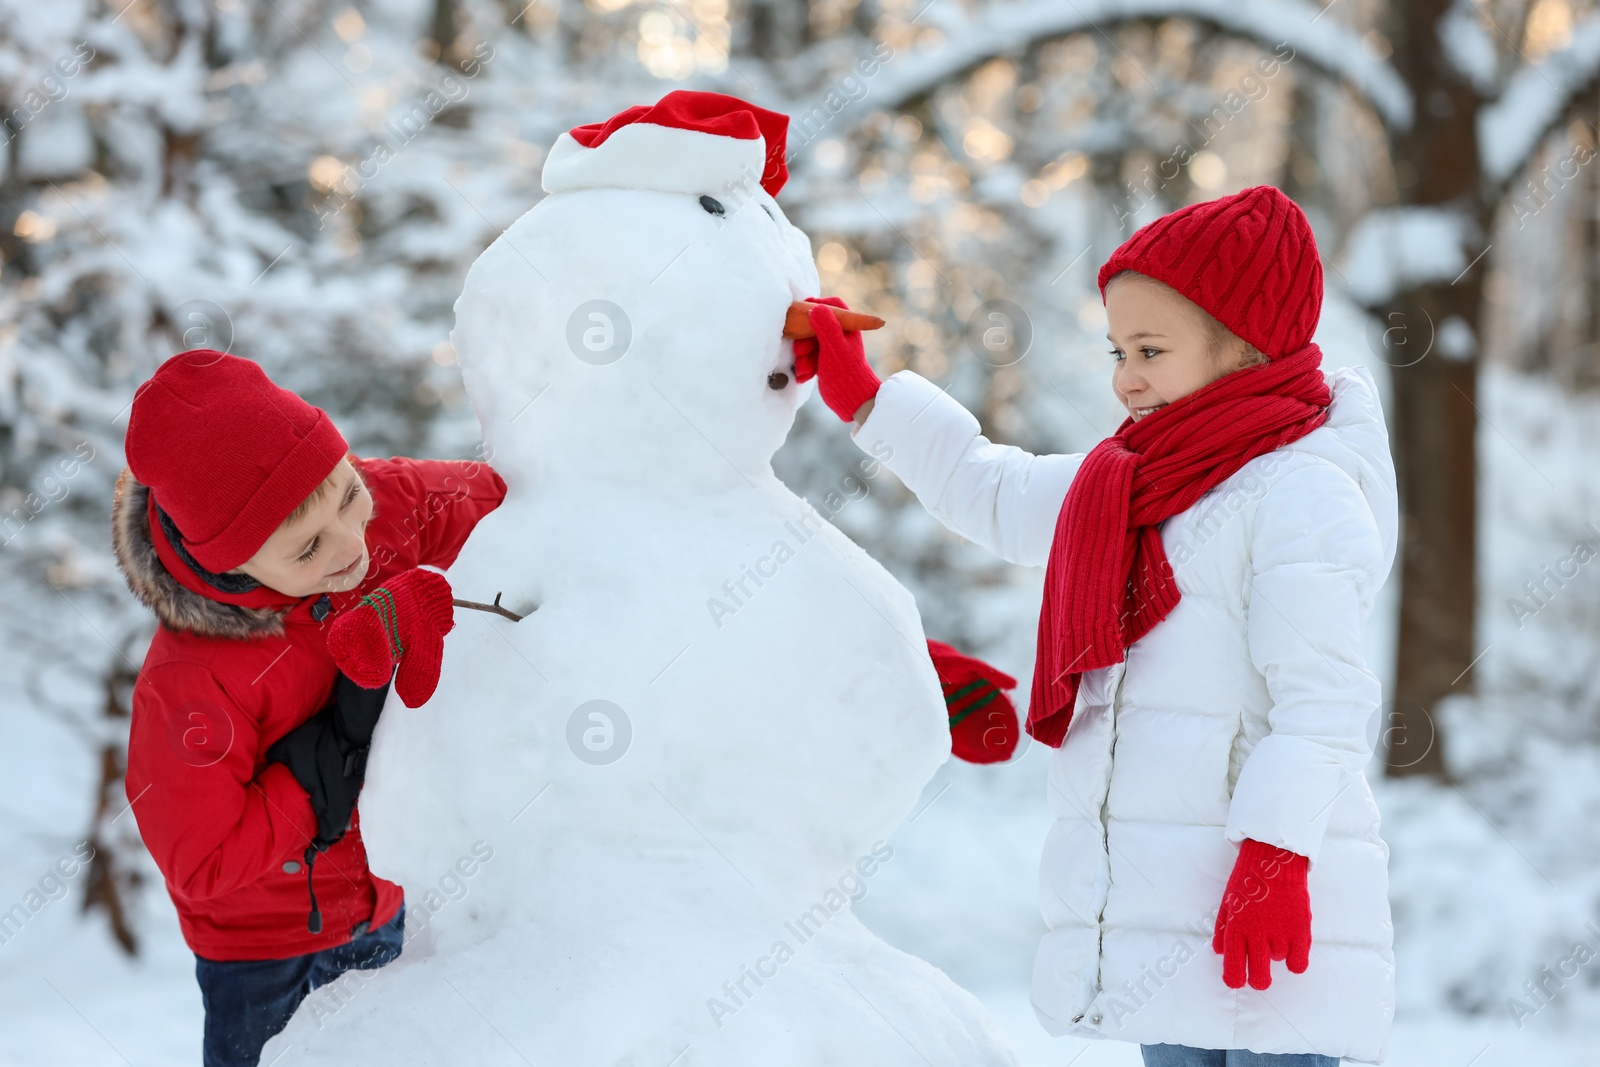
(495, 608)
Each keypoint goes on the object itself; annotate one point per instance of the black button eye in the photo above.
(713, 206)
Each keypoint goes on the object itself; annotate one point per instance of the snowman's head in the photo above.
(632, 322)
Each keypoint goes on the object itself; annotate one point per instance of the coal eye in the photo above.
(770, 215)
(712, 205)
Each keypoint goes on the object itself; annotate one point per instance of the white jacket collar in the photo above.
(1356, 440)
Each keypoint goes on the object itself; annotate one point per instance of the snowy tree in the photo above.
(290, 182)
(304, 182)
(1460, 111)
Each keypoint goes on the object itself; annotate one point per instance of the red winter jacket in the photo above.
(226, 676)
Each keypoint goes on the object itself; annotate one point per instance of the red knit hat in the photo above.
(226, 453)
(1248, 259)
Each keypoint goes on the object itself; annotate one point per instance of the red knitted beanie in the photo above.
(226, 453)
(1248, 259)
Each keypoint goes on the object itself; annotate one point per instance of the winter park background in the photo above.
(305, 183)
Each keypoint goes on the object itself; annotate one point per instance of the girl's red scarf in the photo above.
(1108, 580)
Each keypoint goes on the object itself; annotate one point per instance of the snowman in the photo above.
(631, 824)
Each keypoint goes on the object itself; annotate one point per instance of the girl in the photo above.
(244, 523)
(1209, 568)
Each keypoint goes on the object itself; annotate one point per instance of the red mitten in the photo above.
(805, 358)
(404, 620)
(1265, 915)
(839, 360)
(983, 722)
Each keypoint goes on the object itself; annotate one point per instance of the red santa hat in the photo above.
(687, 142)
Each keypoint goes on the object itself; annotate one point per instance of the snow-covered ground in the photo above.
(67, 999)
(1493, 879)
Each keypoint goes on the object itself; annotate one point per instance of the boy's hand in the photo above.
(327, 754)
(983, 722)
(404, 620)
(1265, 915)
(838, 358)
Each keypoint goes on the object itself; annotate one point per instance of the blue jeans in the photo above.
(1184, 1056)
(248, 1001)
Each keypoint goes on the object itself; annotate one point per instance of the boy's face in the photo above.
(325, 550)
(1163, 347)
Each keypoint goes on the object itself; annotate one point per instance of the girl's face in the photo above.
(1165, 347)
(323, 551)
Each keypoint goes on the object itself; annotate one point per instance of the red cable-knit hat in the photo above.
(1249, 259)
(226, 453)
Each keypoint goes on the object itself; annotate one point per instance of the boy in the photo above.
(244, 523)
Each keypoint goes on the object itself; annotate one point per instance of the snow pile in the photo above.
(671, 779)
(1481, 905)
(1397, 248)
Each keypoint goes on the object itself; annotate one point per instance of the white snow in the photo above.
(59, 143)
(1475, 918)
(1007, 28)
(1535, 98)
(1394, 248)
(1469, 46)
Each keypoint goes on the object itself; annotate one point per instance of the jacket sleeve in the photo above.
(995, 495)
(1316, 563)
(441, 501)
(211, 823)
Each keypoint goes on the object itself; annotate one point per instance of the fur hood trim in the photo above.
(178, 608)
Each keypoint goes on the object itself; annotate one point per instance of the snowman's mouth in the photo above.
(778, 379)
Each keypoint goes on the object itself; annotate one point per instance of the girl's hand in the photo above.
(1265, 915)
(402, 621)
(983, 722)
(838, 358)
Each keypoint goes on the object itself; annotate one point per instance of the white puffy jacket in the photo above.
(1247, 712)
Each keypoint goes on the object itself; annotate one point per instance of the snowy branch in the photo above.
(1396, 249)
(1007, 29)
(1468, 47)
(1535, 99)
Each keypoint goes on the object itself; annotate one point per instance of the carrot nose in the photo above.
(797, 323)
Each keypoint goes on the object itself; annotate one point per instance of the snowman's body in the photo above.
(689, 899)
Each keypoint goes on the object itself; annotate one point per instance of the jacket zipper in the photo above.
(1105, 838)
(1105, 805)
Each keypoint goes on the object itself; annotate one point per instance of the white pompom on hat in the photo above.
(687, 142)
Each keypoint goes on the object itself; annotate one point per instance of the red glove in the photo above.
(839, 359)
(404, 620)
(1265, 915)
(983, 722)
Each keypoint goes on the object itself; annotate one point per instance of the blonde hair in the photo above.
(1219, 337)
